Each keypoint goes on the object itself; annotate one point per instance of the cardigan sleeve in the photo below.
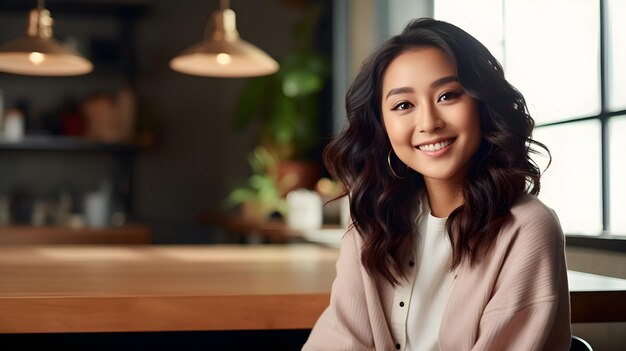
(529, 308)
(344, 325)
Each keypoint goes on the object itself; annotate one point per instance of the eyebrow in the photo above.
(437, 83)
(402, 90)
(444, 80)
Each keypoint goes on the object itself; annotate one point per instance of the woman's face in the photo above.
(432, 124)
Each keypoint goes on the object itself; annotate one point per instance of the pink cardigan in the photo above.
(516, 298)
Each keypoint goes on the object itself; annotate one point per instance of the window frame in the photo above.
(605, 240)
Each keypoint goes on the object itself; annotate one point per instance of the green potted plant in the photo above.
(263, 194)
(287, 102)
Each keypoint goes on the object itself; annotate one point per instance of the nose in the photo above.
(428, 119)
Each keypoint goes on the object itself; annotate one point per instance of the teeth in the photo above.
(436, 146)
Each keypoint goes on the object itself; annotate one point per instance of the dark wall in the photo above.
(199, 157)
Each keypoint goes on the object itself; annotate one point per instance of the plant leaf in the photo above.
(240, 195)
(301, 83)
(282, 123)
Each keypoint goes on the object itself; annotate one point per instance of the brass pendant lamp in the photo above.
(38, 53)
(222, 53)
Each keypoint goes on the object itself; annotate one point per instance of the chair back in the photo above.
(579, 344)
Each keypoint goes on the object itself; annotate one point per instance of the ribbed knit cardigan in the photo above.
(516, 298)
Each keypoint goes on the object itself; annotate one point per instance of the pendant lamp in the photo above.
(38, 53)
(222, 53)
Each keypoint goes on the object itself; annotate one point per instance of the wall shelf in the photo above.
(45, 235)
(122, 155)
(105, 33)
(62, 143)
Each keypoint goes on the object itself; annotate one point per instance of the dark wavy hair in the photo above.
(500, 172)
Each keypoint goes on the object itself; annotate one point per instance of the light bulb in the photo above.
(222, 58)
(36, 58)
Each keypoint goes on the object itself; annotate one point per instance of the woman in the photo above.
(449, 247)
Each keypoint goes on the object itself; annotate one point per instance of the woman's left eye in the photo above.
(447, 96)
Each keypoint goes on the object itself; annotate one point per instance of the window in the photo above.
(568, 58)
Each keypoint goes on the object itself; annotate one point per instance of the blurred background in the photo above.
(181, 152)
(136, 152)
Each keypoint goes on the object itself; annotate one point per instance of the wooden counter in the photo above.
(48, 289)
(92, 289)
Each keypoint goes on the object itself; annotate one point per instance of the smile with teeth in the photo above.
(436, 146)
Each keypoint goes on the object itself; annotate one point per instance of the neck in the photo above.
(443, 197)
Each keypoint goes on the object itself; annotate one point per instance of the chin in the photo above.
(439, 175)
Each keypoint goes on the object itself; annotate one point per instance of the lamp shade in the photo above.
(37, 53)
(41, 57)
(223, 54)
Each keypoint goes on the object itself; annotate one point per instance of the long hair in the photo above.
(500, 172)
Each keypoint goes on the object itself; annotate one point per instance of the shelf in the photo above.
(61, 143)
(29, 235)
(273, 231)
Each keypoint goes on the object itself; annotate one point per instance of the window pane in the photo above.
(551, 56)
(616, 31)
(480, 18)
(617, 152)
(571, 186)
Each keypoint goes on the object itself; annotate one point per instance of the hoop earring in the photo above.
(391, 167)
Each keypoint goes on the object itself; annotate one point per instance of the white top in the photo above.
(432, 284)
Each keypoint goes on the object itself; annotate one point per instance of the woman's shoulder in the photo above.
(530, 209)
(351, 246)
(352, 237)
(532, 225)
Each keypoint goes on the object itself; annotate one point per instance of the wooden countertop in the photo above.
(174, 288)
(152, 288)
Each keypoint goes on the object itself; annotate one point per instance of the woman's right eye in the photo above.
(402, 106)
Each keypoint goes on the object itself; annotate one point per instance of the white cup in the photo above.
(97, 209)
(304, 210)
(13, 125)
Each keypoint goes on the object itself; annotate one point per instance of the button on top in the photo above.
(398, 346)
(401, 304)
(411, 263)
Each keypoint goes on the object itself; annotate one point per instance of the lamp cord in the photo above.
(40, 5)
(224, 4)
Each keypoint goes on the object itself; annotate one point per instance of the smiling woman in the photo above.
(458, 238)
(432, 124)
